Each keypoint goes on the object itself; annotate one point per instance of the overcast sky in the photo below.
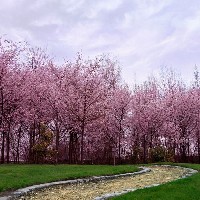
(144, 35)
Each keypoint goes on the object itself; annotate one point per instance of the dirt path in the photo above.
(157, 175)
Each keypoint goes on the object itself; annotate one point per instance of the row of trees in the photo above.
(81, 112)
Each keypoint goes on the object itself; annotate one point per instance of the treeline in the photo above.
(81, 112)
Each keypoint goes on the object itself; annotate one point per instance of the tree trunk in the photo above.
(119, 149)
(57, 142)
(119, 141)
(198, 146)
(183, 144)
(71, 139)
(8, 147)
(3, 147)
(82, 139)
(31, 143)
(18, 144)
(144, 149)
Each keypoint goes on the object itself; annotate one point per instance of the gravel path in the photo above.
(91, 190)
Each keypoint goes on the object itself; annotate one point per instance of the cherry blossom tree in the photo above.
(91, 115)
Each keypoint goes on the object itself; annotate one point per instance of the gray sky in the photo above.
(143, 35)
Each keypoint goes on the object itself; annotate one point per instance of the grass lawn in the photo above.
(18, 176)
(184, 189)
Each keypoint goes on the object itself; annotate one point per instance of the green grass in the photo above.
(183, 189)
(18, 176)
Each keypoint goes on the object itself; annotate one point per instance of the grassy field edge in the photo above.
(184, 189)
(13, 176)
